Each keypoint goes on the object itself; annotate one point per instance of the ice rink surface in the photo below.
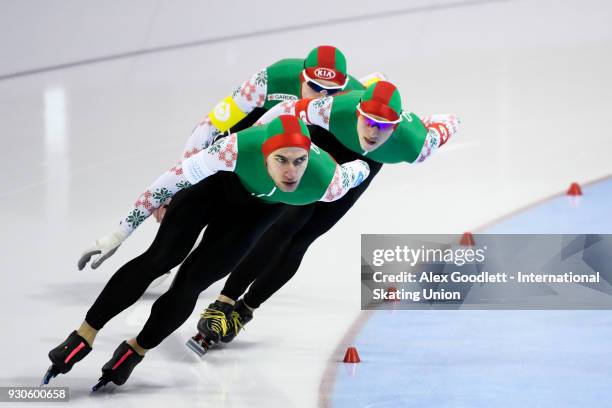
(97, 99)
(489, 358)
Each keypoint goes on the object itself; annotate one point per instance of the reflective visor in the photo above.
(318, 88)
(380, 125)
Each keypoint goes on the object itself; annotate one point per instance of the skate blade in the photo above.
(99, 385)
(197, 346)
(52, 372)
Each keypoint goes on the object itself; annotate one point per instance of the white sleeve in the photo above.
(440, 128)
(310, 111)
(252, 93)
(284, 108)
(248, 96)
(220, 156)
(346, 176)
(431, 144)
(318, 112)
(202, 136)
(157, 194)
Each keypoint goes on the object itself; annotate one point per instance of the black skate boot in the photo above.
(119, 367)
(67, 354)
(240, 317)
(212, 327)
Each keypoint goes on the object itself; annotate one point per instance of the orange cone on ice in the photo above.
(351, 356)
(574, 190)
(467, 239)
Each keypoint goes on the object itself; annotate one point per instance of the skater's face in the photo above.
(371, 135)
(286, 167)
(309, 92)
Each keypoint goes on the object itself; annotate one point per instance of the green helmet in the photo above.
(326, 63)
(286, 131)
(383, 100)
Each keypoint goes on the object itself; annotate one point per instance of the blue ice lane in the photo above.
(480, 359)
(589, 213)
(491, 358)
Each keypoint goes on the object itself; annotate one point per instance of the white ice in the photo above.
(530, 79)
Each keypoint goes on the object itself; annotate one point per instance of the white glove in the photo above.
(360, 171)
(105, 246)
(446, 126)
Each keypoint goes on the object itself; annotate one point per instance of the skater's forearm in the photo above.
(156, 195)
(347, 176)
(202, 136)
(430, 146)
(227, 113)
(249, 95)
(310, 111)
(221, 156)
(284, 108)
(440, 128)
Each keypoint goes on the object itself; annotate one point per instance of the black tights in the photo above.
(234, 220)
(278, 254)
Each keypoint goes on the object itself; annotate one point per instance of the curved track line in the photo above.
(329, 375)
